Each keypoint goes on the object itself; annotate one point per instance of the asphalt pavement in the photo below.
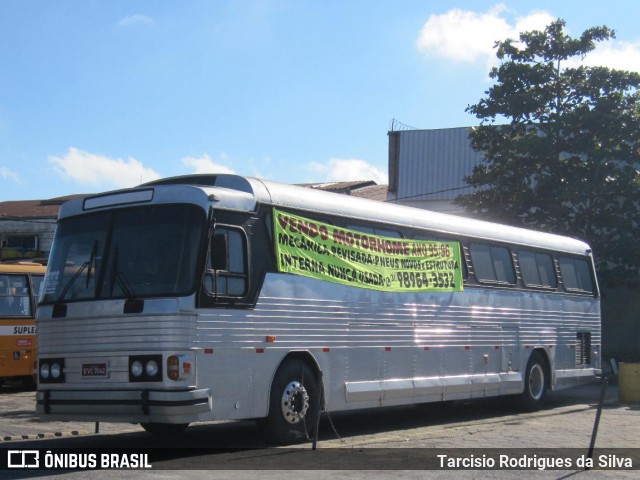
(381, 443)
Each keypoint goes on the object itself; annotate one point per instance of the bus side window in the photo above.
(576, 274)
(14, 296)
(228, 260)
(219, 252)
(5, 296)
(492, 264)
(537, 269)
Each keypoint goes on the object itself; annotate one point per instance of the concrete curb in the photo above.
(40, 436)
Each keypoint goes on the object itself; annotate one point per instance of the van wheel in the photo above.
(293, 404)
(535, 384)
(165, 429)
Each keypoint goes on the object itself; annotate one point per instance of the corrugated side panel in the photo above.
(304, 315)
(433, 164)
(101, 327)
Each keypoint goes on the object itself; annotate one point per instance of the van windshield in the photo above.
(127, 253)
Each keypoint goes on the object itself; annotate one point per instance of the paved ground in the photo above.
(566, 422)
(391, 441)
(18, 420)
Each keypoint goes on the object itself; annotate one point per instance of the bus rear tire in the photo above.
(535, 384)
(293, 404)
(165, 429)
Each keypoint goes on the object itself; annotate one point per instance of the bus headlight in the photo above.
(51, 370)
(151, 368)
(145, 368)
(55, 371)
(136, 368)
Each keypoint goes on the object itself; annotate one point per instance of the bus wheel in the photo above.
(535, 384)
(165, 429)
(293, 404)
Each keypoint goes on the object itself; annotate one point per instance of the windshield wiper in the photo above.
(132, 304)
(88, 264)
(125, 285)
(120, 278)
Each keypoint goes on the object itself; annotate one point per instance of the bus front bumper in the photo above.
(138, 406)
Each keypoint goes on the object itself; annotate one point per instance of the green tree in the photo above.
(561, 146)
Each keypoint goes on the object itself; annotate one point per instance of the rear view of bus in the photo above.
(19, 287)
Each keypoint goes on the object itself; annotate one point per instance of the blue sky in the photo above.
(97, 95)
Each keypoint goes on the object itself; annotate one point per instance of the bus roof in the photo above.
(234, 191)
(390, 213)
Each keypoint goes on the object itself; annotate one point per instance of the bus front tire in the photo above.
(293, 404)
(165, 429)
(535, 384)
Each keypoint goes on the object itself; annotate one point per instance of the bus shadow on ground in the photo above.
(16, 387)
(241, 445)
(231, 436)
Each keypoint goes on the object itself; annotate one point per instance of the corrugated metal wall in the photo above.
(432, 164)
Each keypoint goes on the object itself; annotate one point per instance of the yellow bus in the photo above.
(20, 284)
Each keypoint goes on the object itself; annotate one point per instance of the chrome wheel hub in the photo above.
(536, 382)
(295, 402)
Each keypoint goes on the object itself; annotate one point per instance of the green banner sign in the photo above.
(349, 257)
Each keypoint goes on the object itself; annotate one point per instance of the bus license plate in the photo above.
(94, 369)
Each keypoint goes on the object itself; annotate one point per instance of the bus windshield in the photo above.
(128, 253)
(14, 296)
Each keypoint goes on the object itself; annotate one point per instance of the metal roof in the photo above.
(363, 189)
(19, 209)
(283, 195)
(233, 191)
(339, 187)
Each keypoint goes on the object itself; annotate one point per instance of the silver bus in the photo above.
(221, 297)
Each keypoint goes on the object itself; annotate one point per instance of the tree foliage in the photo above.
(561, 146)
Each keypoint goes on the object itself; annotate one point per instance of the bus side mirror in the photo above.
(219, 252)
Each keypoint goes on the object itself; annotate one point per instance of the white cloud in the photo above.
(348, 169)
(136, 19)
(617, 55)
(95, 170)
(465, 36)
(205, 164)
(8, 174)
